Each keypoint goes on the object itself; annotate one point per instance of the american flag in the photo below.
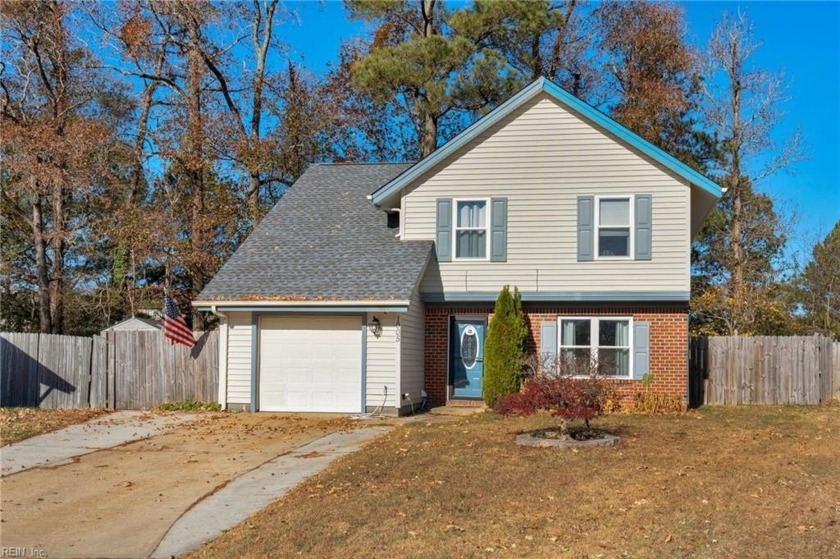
(175, 328)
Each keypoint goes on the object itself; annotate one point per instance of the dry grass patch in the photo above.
(17, 424)
(721, 482)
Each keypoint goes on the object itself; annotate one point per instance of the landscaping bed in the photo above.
(719, 482)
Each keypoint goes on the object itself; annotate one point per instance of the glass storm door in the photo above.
(467, 352)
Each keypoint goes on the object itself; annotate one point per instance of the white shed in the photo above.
(134, 323)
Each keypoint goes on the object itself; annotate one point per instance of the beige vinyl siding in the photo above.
(411, 348)
(542, 157)
(239, 358)
(382, 362)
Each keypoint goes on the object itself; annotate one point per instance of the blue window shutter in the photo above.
(443, 239)
(498, 230)
(548, 342)
(644, 226)
(586, 228)
(641, 349)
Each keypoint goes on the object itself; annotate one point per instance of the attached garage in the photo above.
(323, 317)
(310, 364)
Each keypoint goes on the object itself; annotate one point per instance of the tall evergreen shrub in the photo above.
(505, 347)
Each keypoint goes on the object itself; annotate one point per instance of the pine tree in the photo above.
(818, 287)
(417, 62)
(505, 347)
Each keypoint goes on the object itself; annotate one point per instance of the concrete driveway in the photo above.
(191, 477)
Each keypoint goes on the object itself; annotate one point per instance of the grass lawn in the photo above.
(17, 424)
(719, 482)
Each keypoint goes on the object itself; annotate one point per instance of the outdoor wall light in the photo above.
(376, 327)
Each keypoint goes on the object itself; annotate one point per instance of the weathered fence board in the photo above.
(19, 363)
(122, 370)
(64, 371)
(99, 373)
(764, 370)
(835, 365)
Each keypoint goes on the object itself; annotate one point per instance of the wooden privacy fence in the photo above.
(118, 370)
(763, 370)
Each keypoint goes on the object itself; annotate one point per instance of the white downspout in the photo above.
(223, 356)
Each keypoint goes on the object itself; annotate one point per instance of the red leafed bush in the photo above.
(565, 397)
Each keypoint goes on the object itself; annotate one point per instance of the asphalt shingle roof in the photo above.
(324, 241)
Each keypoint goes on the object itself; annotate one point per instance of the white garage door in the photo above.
(310, 364)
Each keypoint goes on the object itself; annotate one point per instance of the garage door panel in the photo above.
(310, 364)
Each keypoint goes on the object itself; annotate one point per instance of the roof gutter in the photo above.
(302, 306)
(342, 303)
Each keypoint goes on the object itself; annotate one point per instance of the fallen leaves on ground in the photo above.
(17, 424)
(719, 482)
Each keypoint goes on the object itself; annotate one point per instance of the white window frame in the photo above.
(594, 330)
(456, 229)
(631, 198)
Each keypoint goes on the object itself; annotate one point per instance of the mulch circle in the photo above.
(575, 439)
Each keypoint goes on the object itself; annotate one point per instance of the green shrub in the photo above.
(190, 405)
(504, 349)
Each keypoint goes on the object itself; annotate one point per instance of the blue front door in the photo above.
(467, 351)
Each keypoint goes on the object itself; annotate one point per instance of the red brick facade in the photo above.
(668, 343)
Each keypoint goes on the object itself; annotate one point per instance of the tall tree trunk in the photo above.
(195, 169)
(58, 245)
(428, 18)
(41, 265)
(428, 142)
(428, 139)
(736, 230)
(557, 52)
(261, 47)
(536, 59)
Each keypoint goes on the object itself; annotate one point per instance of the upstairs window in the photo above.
(614, 227)
(471, 224)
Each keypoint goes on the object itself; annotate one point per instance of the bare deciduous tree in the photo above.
(743, 107)
(59, 143)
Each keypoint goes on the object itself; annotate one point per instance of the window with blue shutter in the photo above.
(614, 226)
(471, 224)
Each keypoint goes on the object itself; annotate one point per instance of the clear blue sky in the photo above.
(800, 38)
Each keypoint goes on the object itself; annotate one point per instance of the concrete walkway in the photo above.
(107, 431)
(254, 490)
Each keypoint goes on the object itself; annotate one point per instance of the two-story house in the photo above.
(371, 285)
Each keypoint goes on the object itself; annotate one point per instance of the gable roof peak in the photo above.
(571, 103)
